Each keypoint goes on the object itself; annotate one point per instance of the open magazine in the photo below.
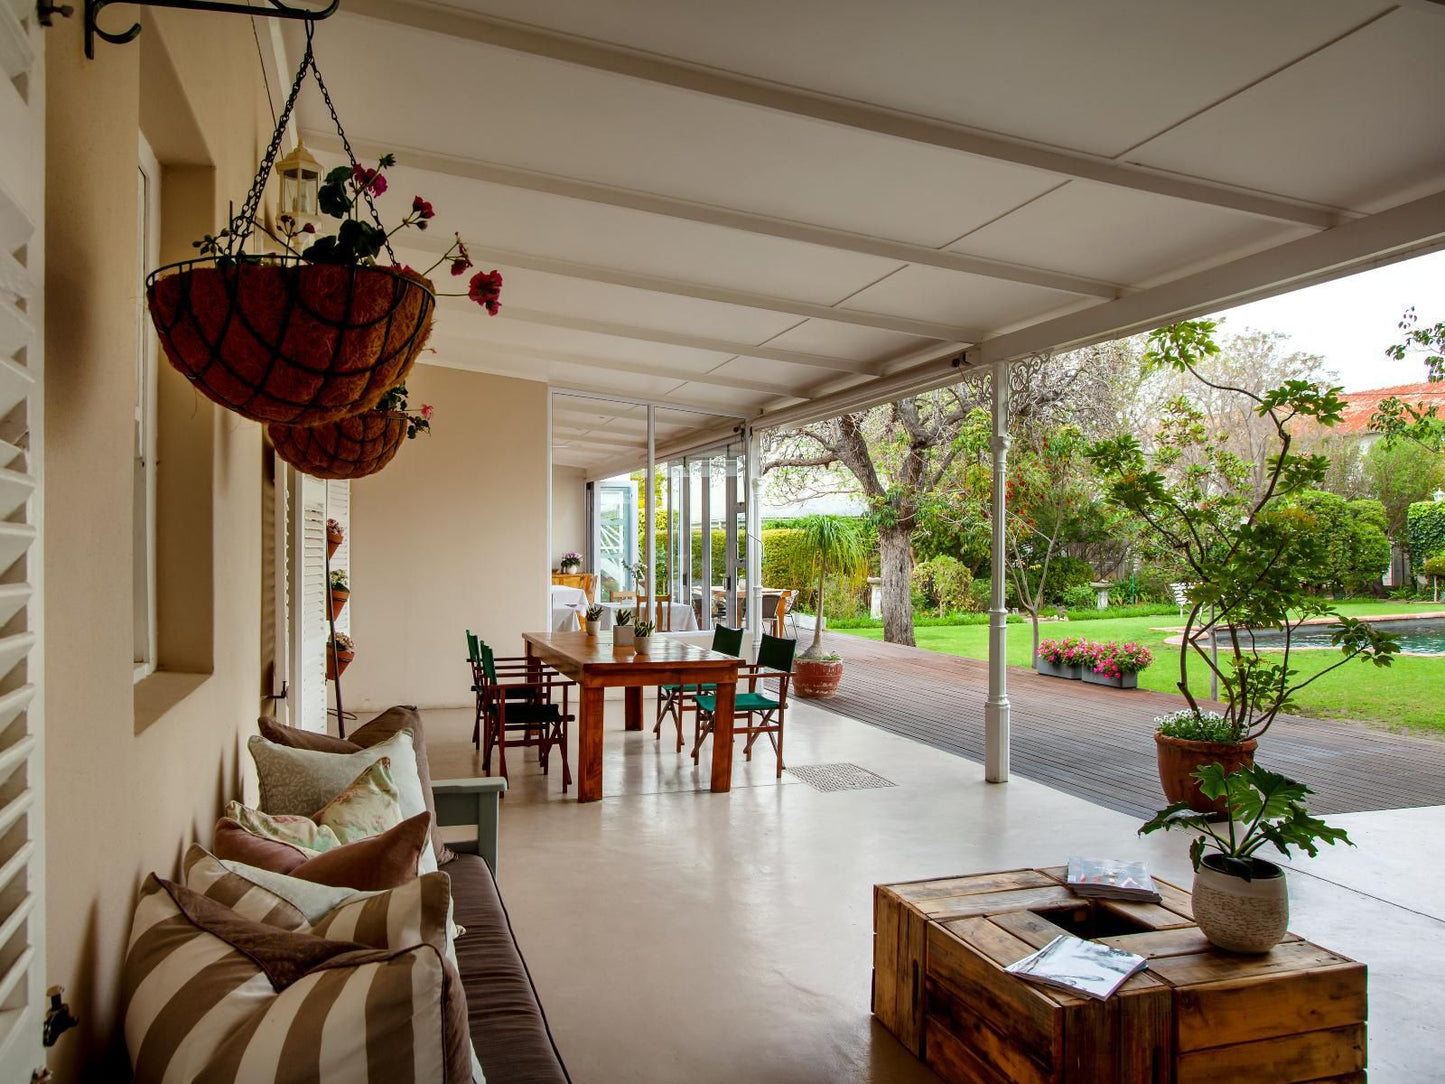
(1111, 879)
(1078, 966)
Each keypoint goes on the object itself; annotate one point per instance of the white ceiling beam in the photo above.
(522, 354)
(691, 342)
(649, 67)
(619, 422)
(711, 215)
(574, 437)
(926, 329)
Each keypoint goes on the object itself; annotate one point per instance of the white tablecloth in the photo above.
(569, 606)
(682, 617)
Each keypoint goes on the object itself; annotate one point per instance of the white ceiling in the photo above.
(757, 208)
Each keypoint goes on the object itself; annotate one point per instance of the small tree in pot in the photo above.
(833, 545)
(1249, 552)
(1240, 900)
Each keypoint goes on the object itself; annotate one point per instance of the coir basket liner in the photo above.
(288, 341)
(350, 448)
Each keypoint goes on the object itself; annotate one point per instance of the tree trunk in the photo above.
(896, 560)
(1034, 617)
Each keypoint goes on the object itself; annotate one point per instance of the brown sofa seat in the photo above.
(508, 1028)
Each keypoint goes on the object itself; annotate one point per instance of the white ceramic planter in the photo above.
(622, 636)
(642, 644)
(594, 627)
(1239, 915)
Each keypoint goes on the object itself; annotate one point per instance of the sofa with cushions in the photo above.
(330, 933)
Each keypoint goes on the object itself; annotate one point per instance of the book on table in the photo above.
(1077, 966)
(1109, 878)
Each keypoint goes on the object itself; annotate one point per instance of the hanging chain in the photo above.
(243, 223)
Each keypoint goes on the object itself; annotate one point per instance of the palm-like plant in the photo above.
(834, 545)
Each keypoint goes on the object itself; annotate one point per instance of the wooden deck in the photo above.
(1096, 743)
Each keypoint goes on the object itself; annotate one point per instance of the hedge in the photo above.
(1425, 527)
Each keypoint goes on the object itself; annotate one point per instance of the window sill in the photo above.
(160, 691)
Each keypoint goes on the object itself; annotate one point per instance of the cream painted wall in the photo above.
(124, 799)
(451, 536)
(569, 512)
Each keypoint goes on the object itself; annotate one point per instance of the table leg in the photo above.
(633, 695)
(722, 737)
(589, 743)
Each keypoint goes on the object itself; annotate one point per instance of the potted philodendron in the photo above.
(1241, 901)
(340, 592)
(622, 629)
(570, 562)
(594, 620)
(834, 545)
(340, 650)
(642, 637)
(1117, 665)
(1248, 549)
(1063, 658)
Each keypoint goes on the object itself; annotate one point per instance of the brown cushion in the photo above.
(509, 1031)
(373, 732)
(368, 865)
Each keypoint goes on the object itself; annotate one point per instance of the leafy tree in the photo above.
(1418, 422)
(1249, 552)
(1354, 551)
(1399, 474)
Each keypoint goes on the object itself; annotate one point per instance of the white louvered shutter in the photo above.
(309, 599)
(338, 507)
(22, 313)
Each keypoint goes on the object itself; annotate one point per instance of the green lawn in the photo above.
(1410, 692)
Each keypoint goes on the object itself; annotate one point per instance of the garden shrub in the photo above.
(943, 585)
(1425, 528)
(1080, 597)
(1349, 535)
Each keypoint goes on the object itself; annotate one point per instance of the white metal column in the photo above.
(755, 535)
(996, 707)
(649, 519)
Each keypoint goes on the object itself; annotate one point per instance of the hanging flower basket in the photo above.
(350, 448)
(291, 342)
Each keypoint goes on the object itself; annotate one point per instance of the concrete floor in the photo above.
(678, 935)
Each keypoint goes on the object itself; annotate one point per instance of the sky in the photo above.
(1350, 321)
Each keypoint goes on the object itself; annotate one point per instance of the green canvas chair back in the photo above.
(776, 653)
(727, 641)
(472, 655)
(489, 663)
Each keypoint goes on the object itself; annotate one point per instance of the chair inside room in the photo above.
(674, 700)
(516, 696)
(754, 712)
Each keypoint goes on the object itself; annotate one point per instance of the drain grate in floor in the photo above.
(832, 777)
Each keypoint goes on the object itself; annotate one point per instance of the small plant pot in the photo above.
(622, 636)
(336, 666)
(333, 543)
(1123, 681)
(1178, 758)
(1238, 915)
(594, 627)
(1059, 670)
(338, 602)
(816, 679)
(568, 570)
(642, 644)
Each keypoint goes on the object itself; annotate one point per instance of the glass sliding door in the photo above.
(616, 539)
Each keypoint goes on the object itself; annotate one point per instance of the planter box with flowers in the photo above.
(1117, 665)
(1063, 658)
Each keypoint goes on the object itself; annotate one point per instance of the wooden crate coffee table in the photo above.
(1294, 1014)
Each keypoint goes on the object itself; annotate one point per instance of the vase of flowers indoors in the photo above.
(1241, 901)
(622, 629)
(570, 563)
(1116, 665)
(340, 592)
(642, 637)
(594, 620)
(1062, 658)
(339, 652)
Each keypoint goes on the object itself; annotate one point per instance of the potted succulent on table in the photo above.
(340, 650)
(1063, 658)
(340, 592)
(622, 629)
(1117, 665)
(1249, 551)
(1241, 901)
(594, 620)
(570, 563)
(335, 535)
(642, 637)
(833, 545)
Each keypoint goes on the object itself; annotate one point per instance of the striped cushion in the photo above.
(212, 996)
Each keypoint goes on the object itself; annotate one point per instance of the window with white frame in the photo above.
(143, 508)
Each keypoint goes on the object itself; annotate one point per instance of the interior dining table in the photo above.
(597, 665)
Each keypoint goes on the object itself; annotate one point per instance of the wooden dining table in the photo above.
(596, 665)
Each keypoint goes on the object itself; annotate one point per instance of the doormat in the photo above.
(833, 777)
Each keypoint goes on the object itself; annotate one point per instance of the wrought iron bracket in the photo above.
(276, 10)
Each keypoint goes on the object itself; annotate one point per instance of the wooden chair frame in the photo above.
(516, 684)
(772, 719)
(674, 700)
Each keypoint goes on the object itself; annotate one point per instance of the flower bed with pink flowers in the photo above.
(1102, 663)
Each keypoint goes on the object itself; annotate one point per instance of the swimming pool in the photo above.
(1418, 635)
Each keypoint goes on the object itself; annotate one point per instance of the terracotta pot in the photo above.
(291, 342)
(339, 665)
(1238, 915)
(1178, 758)
(816, 679)
(349, 448)
(338, 602)
(332, 545)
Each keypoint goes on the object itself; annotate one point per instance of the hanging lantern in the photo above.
(300, 176)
